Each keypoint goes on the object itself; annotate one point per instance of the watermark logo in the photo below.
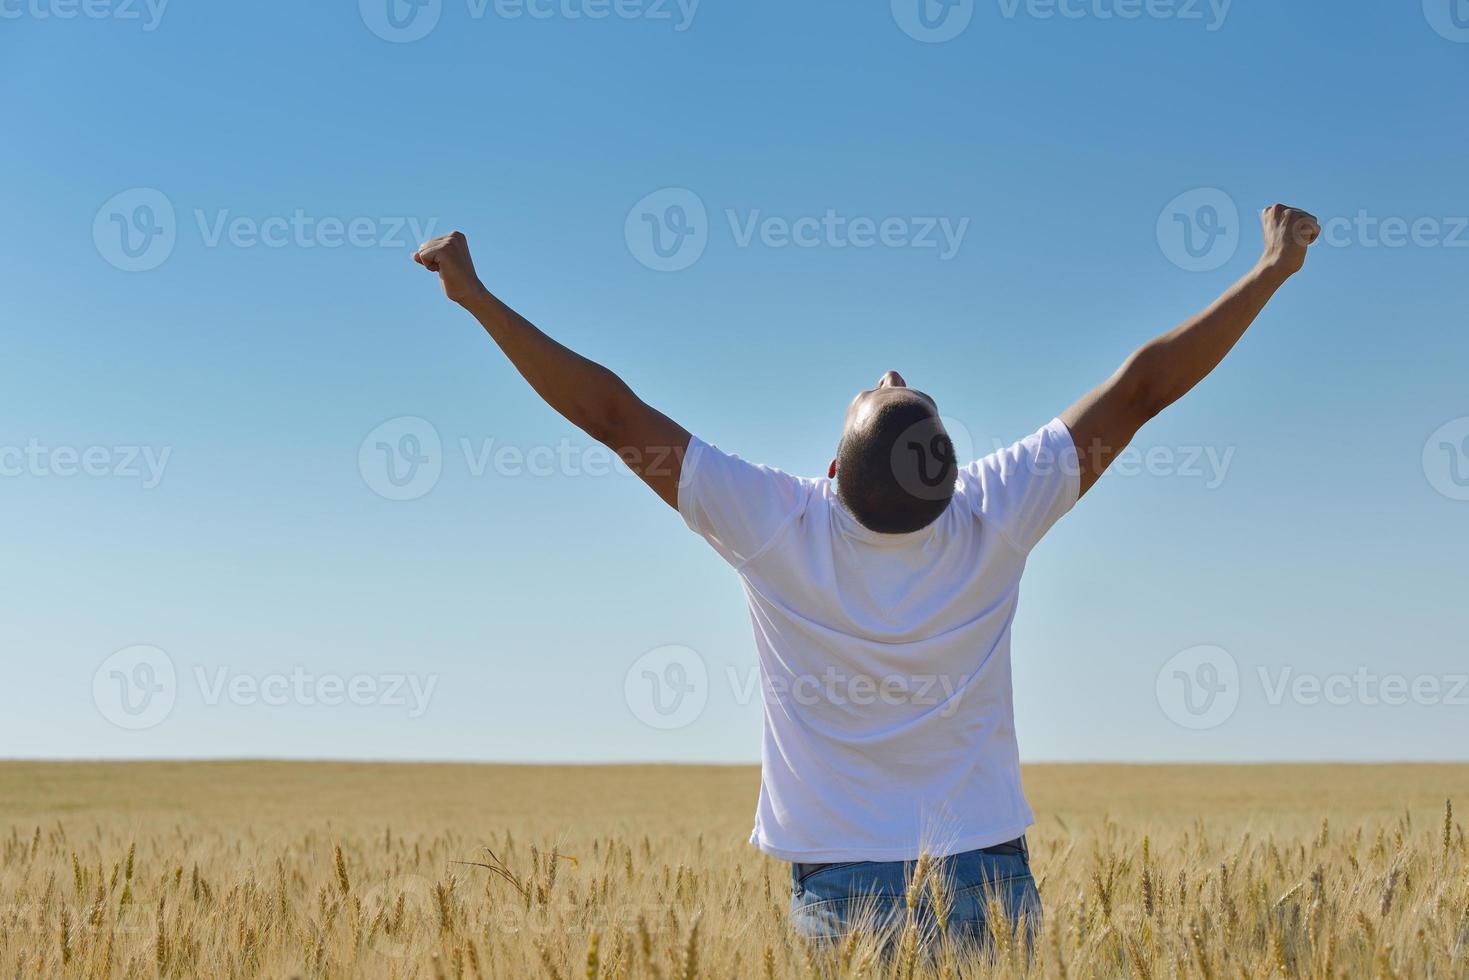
(135, 230)
(1199, 688)
(668, 230)
(933, 21)
(400, 21)
(402, 458)
(1446, 459)
(1450, 18)
(408, 907)
(667, 687)
(136, 687)
(926, 456)
(1199, 230)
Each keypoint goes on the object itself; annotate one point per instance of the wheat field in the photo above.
(265, 869)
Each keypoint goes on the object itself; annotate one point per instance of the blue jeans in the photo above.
(828, 901)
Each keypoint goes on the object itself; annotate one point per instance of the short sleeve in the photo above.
(738, 507)
(1025, 489)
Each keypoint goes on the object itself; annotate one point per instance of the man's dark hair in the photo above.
(896, 471)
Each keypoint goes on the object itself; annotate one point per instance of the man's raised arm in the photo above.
(588, 395)
(1163, 370)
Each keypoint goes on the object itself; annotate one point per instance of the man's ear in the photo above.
(831, 471)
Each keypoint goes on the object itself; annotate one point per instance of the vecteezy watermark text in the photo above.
(147, 13)
(1200, 230)
(137, 688)
(1210, 13)
(406, 21)
(936, 21)
(669, 687)
(833, 230)
(669, 229)
(308, 689)
(144, 464)
(404, 457)
(1208, 464)
(137, 229)
(1201, 687)
(1363, 686)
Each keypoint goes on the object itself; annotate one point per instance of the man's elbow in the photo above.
(1145, 392)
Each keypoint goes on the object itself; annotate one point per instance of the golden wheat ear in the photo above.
(498, 868)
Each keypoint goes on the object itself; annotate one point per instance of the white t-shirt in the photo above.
(884, 658)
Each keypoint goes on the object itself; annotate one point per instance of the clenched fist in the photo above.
(1288, 233)
(448, 255)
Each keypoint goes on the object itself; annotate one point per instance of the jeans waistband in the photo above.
(1010, 847)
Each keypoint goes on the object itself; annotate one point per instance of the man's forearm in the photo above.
(1169, 366)
(587, 394)
(1104, 420)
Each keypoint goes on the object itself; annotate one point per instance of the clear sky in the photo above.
(209, 311)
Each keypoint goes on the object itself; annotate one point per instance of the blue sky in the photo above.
(185, 448)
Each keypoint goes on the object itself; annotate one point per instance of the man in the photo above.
(882, 603)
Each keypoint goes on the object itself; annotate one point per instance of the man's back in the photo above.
(882, 609)
(884, 658)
